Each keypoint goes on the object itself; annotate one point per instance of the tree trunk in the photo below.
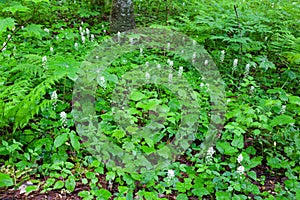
(122, 16)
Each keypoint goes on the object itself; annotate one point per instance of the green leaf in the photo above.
(182, 197)
(31, 188)
(281, 120)
(16, 8)
(59, 184)
(223, 195)
(70, 183)
(200, 191)
(34, 30)
(74, 141)
(238, 141)
(226, 148)
(136, 96)
(7, 23)
(60, 140)
(5, 180)
(103, 194)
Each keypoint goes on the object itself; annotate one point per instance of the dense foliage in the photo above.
(256, 47)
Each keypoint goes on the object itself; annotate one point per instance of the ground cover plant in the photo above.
(256, 49)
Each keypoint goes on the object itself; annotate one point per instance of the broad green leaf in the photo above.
(200, 191)
(59, 184)
(223, 195)
(7, 23)
(136, 96)
(16, 8)
(74, 141)
(70, 183)
(103, 194)
(60, 140)
(5, 180)
(182, 197)
(281, 120)
(34, 30)
(31, 188)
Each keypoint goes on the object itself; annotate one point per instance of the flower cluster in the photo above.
(235, 63)
(209, 155)
(54, 99)
(222, 56)
(240, 170)
(63, 118)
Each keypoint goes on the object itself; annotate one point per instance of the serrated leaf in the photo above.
(60, 140)
(34, 30)
(16, 8)
(281, 120)
(7, 23)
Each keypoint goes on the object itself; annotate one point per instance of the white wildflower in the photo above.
(180, 71)
(201, 84)
(104, 31)
(158, 66)
(252, 88)
(54, 95)
(235, 63)
(22, 27)
(240, 158)
(44, 61)
(87, 31)
(283, 109)
(119, 36)
(102, 82)
(57, 38)
(171, 63)
(194, 42)
(168, 47)
(4, 46)
(275, 143)
(51, 49)
(209, 155)
(222, 56)
(147, 64)
(170, 77)
(102, 25)
(92, 37)
(63, 118)
(206, 62)
(171, 174)
(13, 28)
(8, 36)
(147, 76)
(76, 45)
(141, 51)
(240, 170)
(83, 39)
(194, 57)
(247, 69)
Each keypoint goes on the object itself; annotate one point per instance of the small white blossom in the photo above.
(170, 77)
(252, 88)
(247, 69)
(147, 76)
(235, 63)
(275, 143)
(194, 42)
(147, 64)
(8, 36)
(240, 158)
(240, 170)
(76, 45)
(13, 28)
(51, 49)
(201, 84)
(171, 174)
(171, 63)
(222, 56)
(158, 66)
(283, 109)
(87, 31)
(104, 31)
(194, 57)
(22, 27)
(4, 46)
(206, 62)
(97, 57)
(102, 25)
(54, 95)
(180, 71)
(63, 118)
(168, 47)
(119, 36)
(102, 82)
(57, 38)
(44, 61)
(92, 37)
(83, 39)
(141, 51)
(209, 155)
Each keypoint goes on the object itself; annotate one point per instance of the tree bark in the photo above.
(122, 16)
